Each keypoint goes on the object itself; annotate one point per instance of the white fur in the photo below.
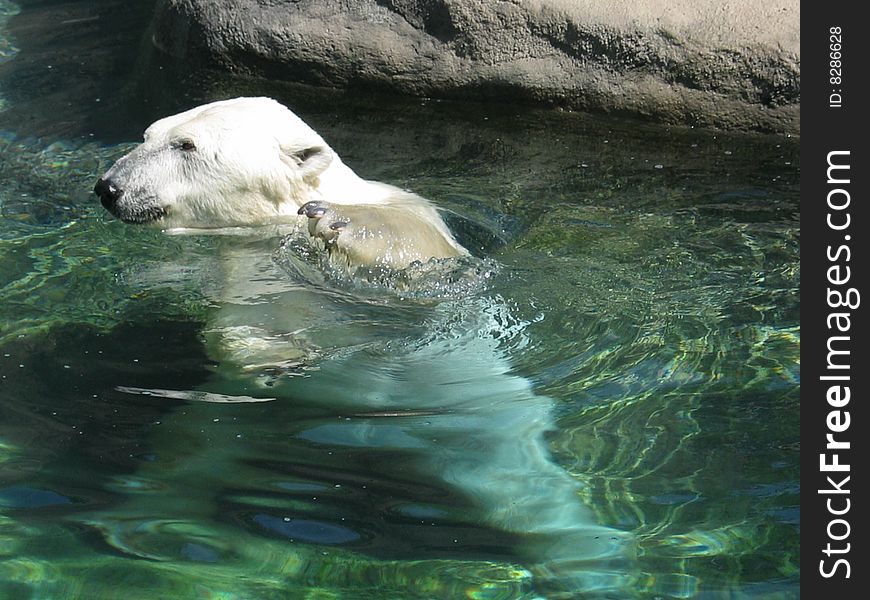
(460, 417)
(256, 163)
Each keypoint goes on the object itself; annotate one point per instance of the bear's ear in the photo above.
(311, 161)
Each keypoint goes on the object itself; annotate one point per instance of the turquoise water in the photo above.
(611, 413)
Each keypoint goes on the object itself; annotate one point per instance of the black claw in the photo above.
(312, 210)
(335, 226)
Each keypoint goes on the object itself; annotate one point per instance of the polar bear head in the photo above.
(245, 161)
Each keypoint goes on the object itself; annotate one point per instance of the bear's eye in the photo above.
(186, 145)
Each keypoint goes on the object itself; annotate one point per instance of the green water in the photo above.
(646, 290)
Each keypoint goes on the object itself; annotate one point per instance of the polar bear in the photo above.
(251, 161)
(436, 391)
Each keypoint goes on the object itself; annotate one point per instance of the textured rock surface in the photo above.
(733, 65)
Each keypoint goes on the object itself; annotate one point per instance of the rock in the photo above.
(730, 65)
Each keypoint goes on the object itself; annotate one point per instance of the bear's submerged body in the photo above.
(438, 392)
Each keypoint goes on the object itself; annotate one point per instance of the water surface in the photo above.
(645, 305)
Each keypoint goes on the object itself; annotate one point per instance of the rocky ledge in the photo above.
(711, 63)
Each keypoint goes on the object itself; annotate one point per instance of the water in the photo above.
(612, 412)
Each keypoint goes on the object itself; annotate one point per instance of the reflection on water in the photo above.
(642, 313)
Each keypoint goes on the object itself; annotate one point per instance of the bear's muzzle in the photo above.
(129, 212)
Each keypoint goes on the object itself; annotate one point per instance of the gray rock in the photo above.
(730, 65)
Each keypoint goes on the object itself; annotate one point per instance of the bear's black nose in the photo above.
(108, 193)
